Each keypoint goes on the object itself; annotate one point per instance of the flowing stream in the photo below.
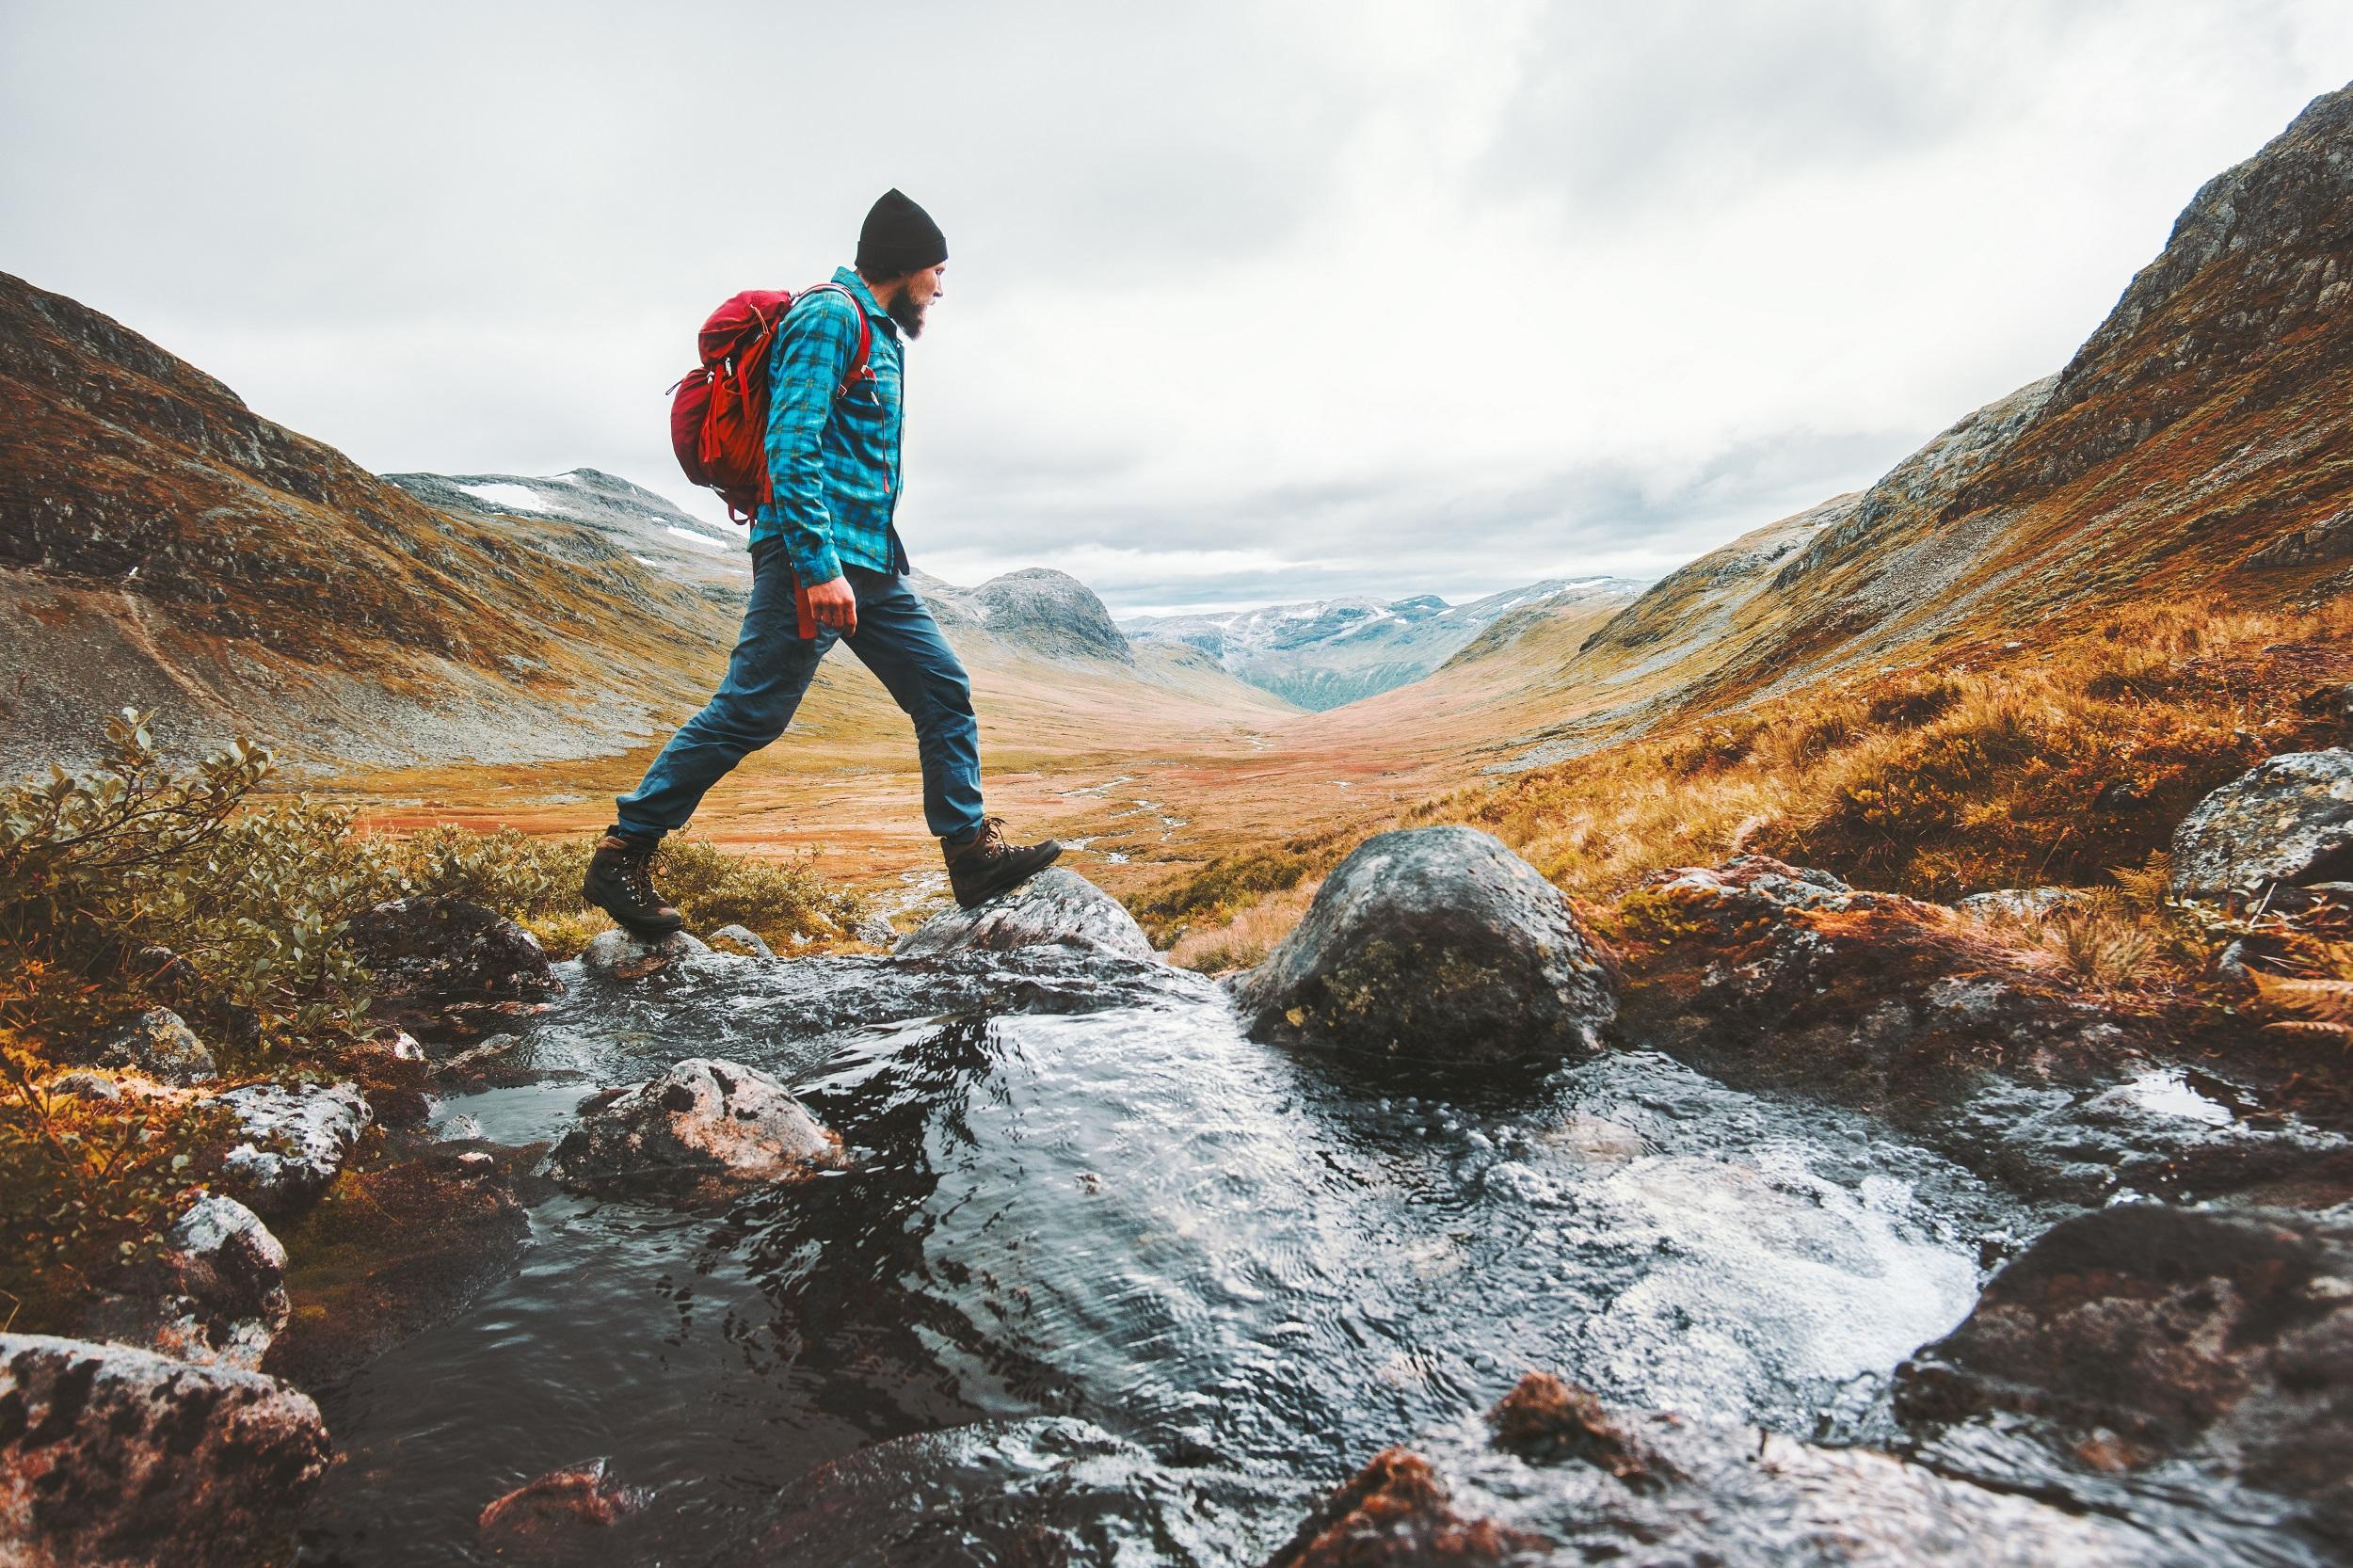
(1165, 1284)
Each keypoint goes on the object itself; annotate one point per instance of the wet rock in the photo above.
(1395, 1510)
(398, 1247)
(445, 964)
(1704, 1495)
(704, 1118)
(160, 1043)
(559, 1514)
(292, 1139)
(740, 940)
(2288, 821)
(1028, 1493)
(1545, 1420)
(496, 1061)
(2144, 1333)
(392, 1071)
(1057, 906)
(120, 1457)
(621, 955)
(216, 1296)
(1436, 943)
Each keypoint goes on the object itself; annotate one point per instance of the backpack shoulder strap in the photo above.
(859, 370)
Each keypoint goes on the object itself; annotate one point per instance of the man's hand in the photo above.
(833, 605)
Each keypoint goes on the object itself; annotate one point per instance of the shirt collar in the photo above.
(848, 279)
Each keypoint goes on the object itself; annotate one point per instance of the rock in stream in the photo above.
(1438, 944)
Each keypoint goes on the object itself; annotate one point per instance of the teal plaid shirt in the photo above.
(835, 459)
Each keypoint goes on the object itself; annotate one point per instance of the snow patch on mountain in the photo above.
(1321, 653)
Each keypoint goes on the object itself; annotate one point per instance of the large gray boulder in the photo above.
(2290, 820)
(215, 1296)
(2146, 1334)
(703, 1119)
(121, 1457)
(292, 1139)
(1436, 943)
(1055, 907)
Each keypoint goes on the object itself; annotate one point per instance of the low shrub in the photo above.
(1210, 895)
(137, 884)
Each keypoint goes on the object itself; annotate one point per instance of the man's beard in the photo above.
(906, 313)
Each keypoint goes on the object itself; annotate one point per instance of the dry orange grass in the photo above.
(1243, 941)
(2000, 766)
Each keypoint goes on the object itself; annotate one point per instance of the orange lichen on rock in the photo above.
(1395, 1512)
(1544, 1419)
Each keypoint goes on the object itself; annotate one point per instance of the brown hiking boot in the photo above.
(987, 866)
(620, 883)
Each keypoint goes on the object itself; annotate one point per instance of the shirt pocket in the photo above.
(868, 402)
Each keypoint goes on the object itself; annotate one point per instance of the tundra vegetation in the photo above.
(140, 885)
(2066, 763)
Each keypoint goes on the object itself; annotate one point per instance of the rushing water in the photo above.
(1219, 1274)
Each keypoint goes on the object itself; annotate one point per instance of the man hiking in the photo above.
(832, 461)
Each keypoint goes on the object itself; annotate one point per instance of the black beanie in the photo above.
(899, 237)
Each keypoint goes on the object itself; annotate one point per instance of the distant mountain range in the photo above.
(1322, 653)
(163, 547)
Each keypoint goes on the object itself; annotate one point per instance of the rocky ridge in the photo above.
(1324, 653)
(2187, 448)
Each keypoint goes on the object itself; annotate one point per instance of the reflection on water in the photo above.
(1152, 1253)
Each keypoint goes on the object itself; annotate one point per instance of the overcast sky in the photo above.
(1245, 303)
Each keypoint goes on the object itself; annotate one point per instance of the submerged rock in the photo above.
(1056, 906)
(620, 955)
(293, 1139)
(703, 1118)
(216, 1296)
(395, 1248)
(1395, 1510)
(2145, 1332)
(1436, 943)
(1040, 1490)
(2288, 821)
(120, 1457)
(563, 1510)
(160, 1043)
(1668, 1489)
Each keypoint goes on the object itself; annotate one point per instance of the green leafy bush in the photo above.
(133, 856)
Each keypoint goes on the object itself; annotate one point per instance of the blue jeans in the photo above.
(772, 667)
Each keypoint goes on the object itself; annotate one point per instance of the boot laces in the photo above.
(637, 875)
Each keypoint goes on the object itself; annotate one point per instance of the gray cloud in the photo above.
(1246, 302)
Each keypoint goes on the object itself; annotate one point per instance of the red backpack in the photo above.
(719, 412)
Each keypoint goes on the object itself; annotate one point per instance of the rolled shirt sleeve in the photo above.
(812, 353)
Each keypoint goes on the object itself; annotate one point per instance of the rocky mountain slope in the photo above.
(161, 546)
(584, 515)
(1324, 653)
(2200, 441)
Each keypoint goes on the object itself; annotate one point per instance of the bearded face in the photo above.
(912, 297)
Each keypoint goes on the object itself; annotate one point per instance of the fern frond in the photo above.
(2341, 1035)
(2145, 885)
(2327, 1001)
